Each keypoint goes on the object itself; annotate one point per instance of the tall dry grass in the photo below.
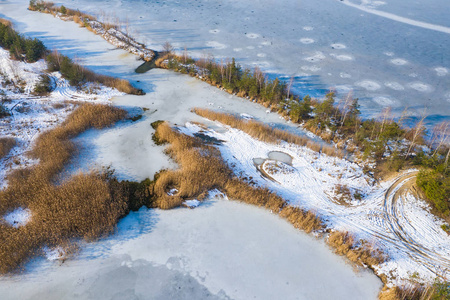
(202, 169)
(416, 291)
(85, 206)
(266, 133)
(5, 22)
(345, 244)
(6, 144)
(121, 85)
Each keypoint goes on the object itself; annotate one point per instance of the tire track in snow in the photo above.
(397, 18)
(432, 260)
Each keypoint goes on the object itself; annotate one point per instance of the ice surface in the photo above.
(188, 254)
(322, 39)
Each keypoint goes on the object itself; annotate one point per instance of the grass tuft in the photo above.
(6, 144)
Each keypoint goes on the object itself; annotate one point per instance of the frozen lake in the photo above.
(391, 53)
(220, 250)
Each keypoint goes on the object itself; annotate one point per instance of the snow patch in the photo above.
(306, 41)
(18, 217)
(216, 45)
(369, 85)
(420, 86)
(191, 203)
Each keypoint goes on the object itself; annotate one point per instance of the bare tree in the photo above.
(14, 67)
(185, 54)
(446, 158)
(289, 86)
(168, 48)
(418, 130)
(57, 58)
(347, 107)
(442, 132)
(441, 135)
(384, 118)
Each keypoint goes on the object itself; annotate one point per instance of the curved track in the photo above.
(397, 221)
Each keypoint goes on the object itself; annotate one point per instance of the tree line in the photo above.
(20, 47)
(385, 140)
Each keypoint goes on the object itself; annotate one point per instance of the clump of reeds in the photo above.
(358, 252)
(416, 291)
(6, 144)
(5, 22)
(301, 219)
(266, 133)
(85, 206)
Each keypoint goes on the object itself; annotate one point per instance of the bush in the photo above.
(21, 48)
(4, 112)
(44, 86)
(436, 186)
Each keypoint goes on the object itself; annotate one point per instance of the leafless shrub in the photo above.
(6, 144)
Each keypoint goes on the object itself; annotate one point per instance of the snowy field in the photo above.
(31, 114)
(391, 53)
(388, 216)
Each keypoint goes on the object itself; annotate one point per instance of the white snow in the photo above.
(52, 254)
(30, 114)
(191, 203)
(121, 40)
(18, 217)
(153, 23)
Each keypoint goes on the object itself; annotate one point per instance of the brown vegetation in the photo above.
(266, 133)
(5, 22)
(84, 206)
(202, 169)
(77, 74)
(6, 144)
(359, 252)
(416, 291)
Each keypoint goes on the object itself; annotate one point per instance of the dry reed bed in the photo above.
(6, 144)
(121, 85)
(5, 22)
(265, 133)
(85, 206)
(416, 291)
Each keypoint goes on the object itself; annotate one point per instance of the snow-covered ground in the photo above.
(30, 114)
(219, 250)
(391, 52)
(388, 216)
